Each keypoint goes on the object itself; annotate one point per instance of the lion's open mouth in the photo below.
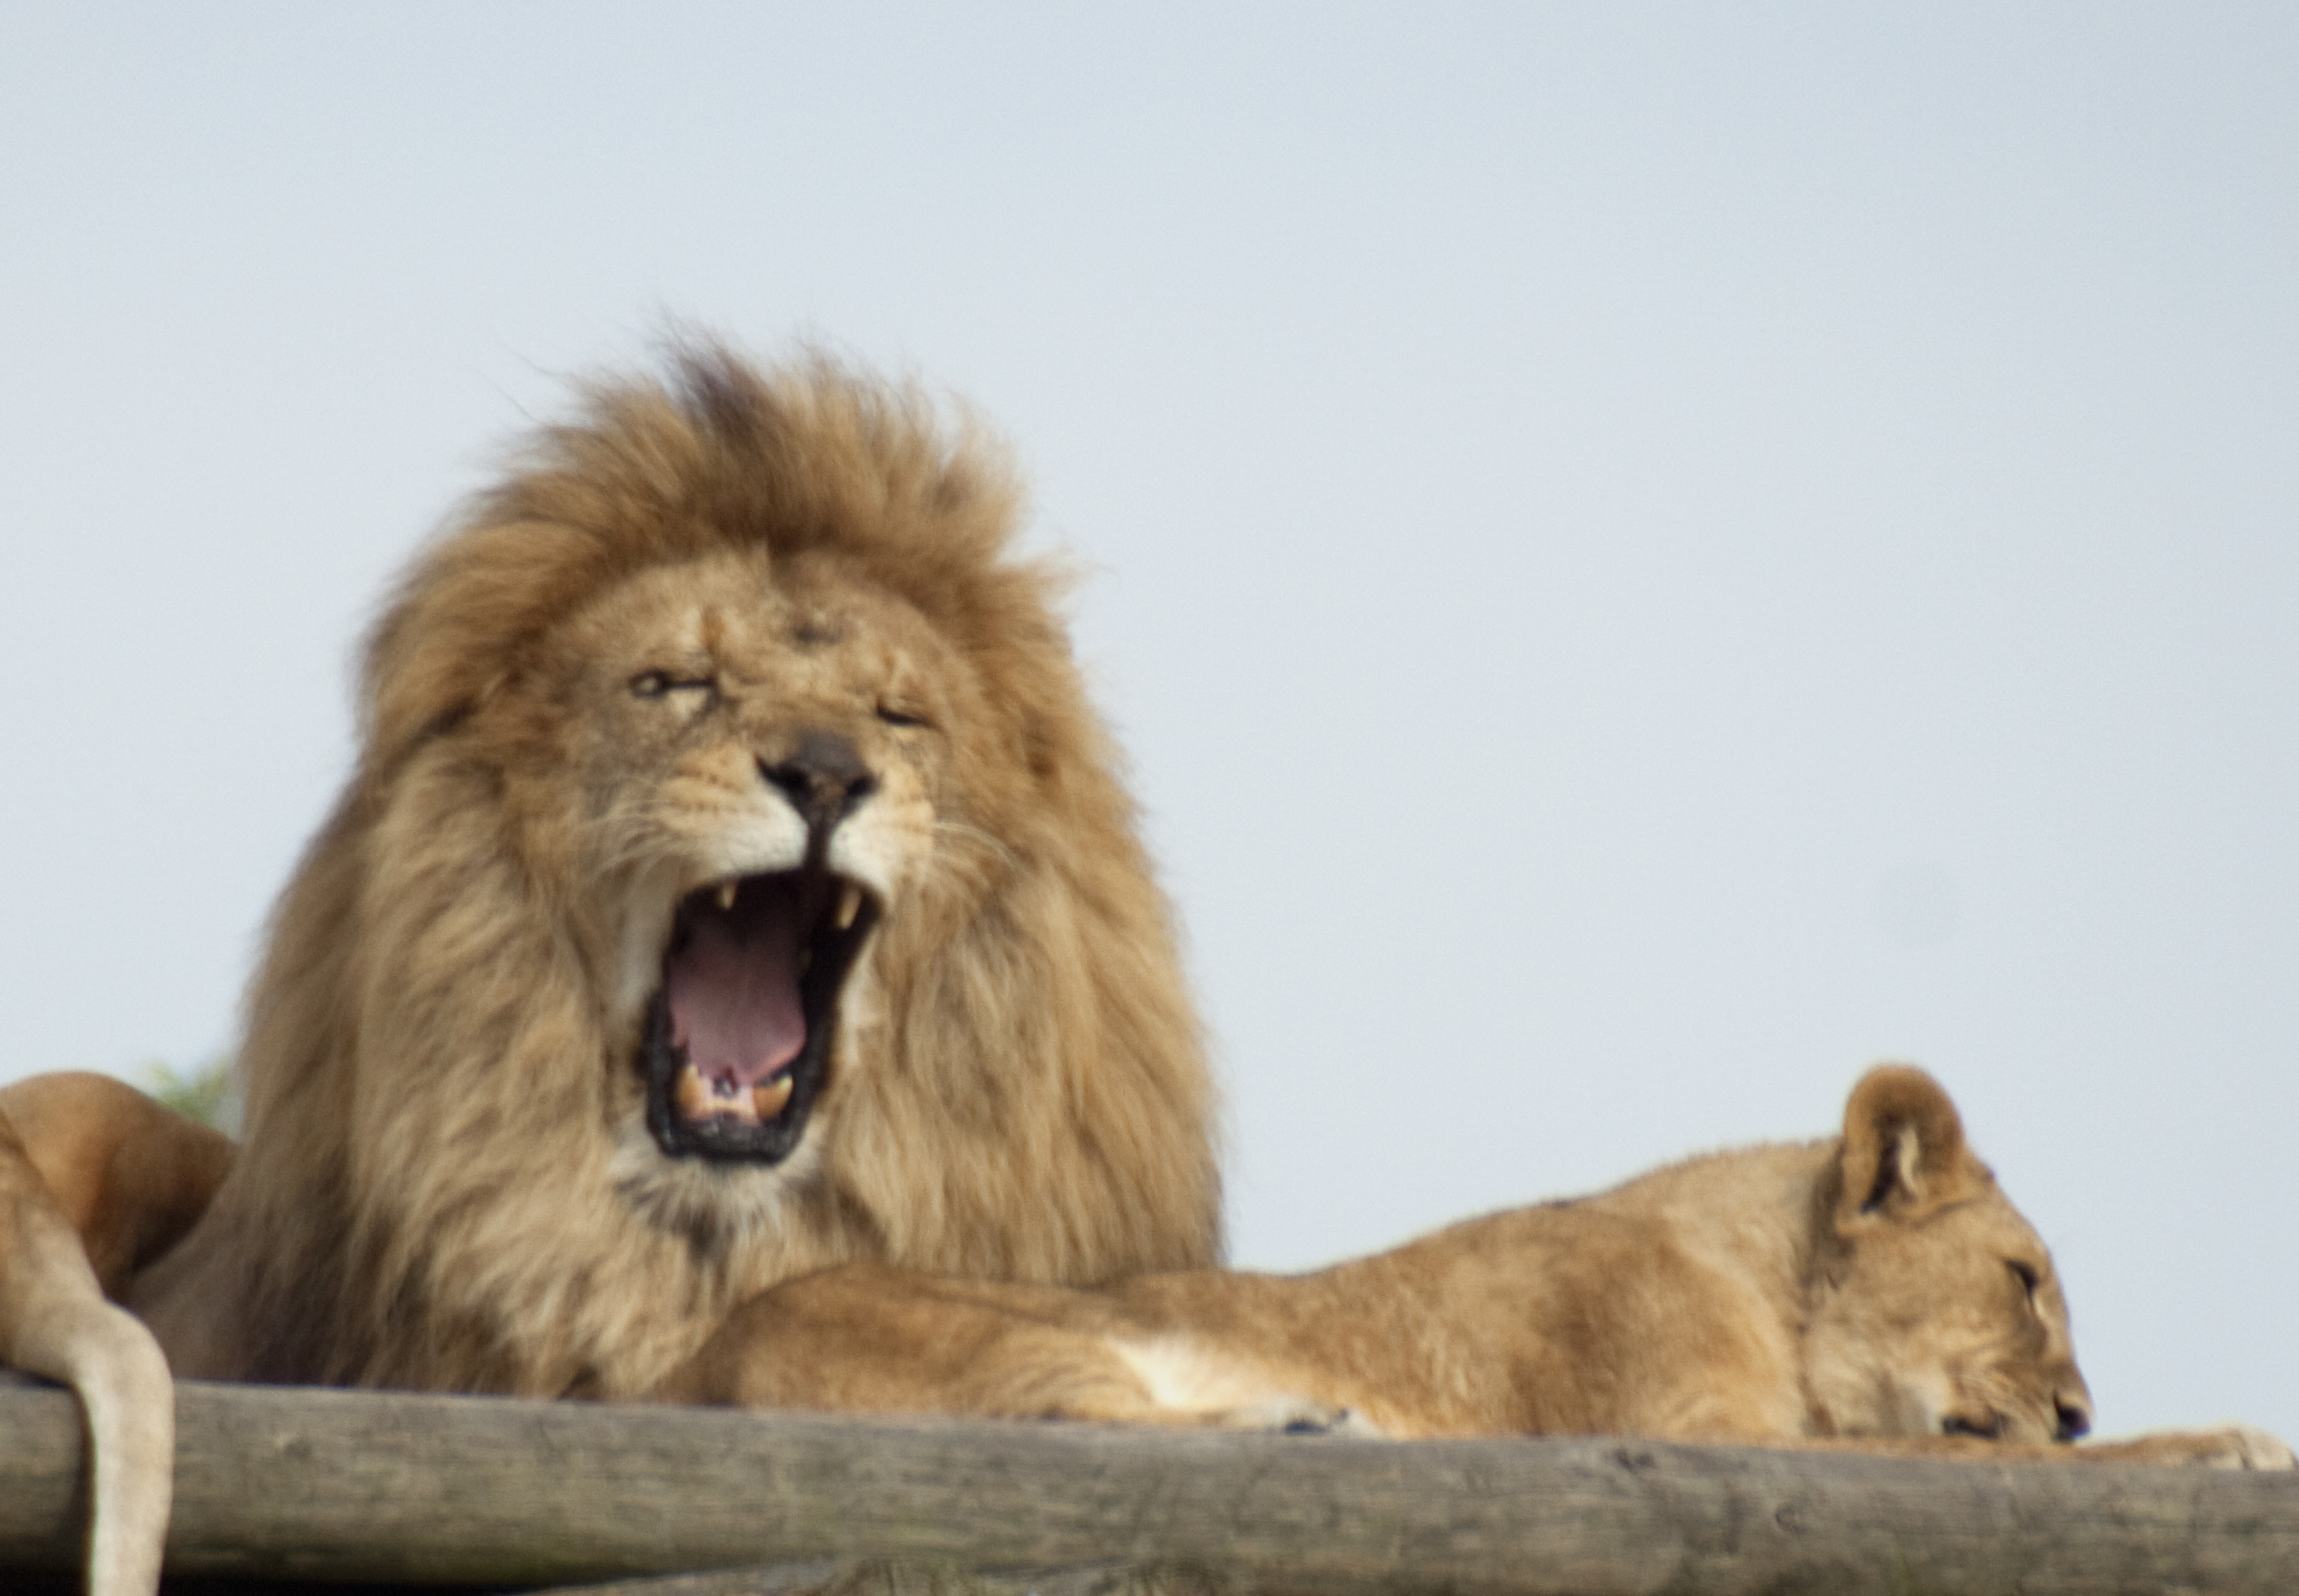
(737, 1039)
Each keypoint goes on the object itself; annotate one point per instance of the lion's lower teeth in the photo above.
(707, 1097)
(695, 1094)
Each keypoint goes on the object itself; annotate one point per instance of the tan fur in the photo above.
(1872, 1291)
(445, 1181)
(96, 1179)
(130, 1176)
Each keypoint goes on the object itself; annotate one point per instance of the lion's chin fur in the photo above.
(717, 1209)
(447, 1180)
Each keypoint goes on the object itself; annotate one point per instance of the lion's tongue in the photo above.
(733, 995)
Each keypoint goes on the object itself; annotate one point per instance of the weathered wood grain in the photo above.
(383, 1487)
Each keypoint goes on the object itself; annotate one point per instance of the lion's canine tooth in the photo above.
(850, 904)
(726, 895)
(773, 1098)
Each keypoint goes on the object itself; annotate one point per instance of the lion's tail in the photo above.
(55, 1322)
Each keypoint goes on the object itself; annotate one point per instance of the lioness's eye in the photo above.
(893, 717)
(2027, 1276)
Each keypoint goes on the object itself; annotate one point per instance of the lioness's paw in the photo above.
(2230, 1446)
(1295, 1415)
(2251, 1447)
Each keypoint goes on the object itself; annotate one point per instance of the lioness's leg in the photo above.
(55, 1322)
(865, 1339)
(2230, 1446)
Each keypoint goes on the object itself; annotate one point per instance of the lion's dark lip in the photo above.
(832, 951)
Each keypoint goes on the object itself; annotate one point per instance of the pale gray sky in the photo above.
(1647, 558)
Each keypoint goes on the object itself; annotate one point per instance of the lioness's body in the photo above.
(1598, 1316)
(1874, 1289)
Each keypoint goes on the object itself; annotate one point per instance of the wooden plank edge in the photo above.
(387, 1487)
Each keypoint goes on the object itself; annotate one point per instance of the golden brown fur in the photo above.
(447, 1179)
(129, 1175)
(1878, 1290)
(96, 1179)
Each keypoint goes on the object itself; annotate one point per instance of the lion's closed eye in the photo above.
(660, 684)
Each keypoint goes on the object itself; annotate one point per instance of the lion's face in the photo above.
(741, 762)
(1937, 1310)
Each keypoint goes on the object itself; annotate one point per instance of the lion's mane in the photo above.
(426, 1192)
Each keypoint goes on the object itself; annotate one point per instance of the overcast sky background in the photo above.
(1646, 558)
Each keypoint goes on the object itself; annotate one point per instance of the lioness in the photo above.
(735, 881)
(1878, 1289)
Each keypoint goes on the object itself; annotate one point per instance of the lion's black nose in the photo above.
(824, 778)
(2074, 1421)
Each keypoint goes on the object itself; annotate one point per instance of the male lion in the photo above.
(735, 881)
(1876, 1289)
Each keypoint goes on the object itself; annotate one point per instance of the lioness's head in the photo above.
(1937, 1310)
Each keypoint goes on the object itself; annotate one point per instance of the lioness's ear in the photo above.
(1902, 1154)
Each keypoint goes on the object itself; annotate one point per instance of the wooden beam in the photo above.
(386, 1487)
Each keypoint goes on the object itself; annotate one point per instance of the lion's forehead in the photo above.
(803, 626)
